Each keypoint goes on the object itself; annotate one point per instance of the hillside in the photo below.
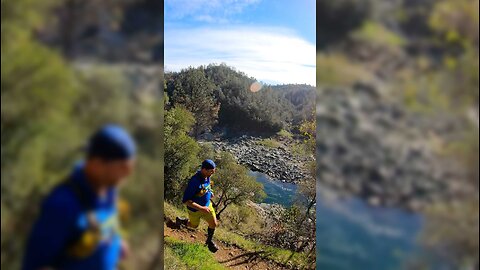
(184, 249)
(233, 104)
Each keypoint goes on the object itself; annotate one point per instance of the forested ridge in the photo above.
(221, 97)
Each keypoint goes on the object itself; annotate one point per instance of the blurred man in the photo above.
(78, 225)
(197, 198)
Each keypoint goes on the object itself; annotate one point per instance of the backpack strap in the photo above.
(82, 198)
(78, 192)
(81, 246)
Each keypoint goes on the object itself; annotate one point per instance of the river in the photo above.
(352, 234)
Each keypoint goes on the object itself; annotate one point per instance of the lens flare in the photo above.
(255, 87)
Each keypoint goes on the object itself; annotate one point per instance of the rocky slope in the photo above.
(371, 146)
(276, 162)
(368, 145)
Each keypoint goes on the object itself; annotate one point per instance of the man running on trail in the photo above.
(78, 225)
(197, 198)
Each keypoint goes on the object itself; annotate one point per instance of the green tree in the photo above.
(195, 92)
(206, 151)
(37, 90)
(456, 21)
(308, 130)
(451, 226)
(48, 108)
(234, 185)
(181, 151)
(228, 94)
(104, 94)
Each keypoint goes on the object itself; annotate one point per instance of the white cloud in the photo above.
(214, 10)
(272, 55)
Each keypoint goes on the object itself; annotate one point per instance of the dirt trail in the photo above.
(231, 256)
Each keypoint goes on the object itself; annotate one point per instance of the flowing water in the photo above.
(352, 234)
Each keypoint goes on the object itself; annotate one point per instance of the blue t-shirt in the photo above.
(63, 220)
(198, 190)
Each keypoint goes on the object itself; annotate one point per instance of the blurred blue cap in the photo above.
(111, 142)
(208, 164)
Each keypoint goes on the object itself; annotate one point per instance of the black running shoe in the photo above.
(181, 221)
(211, 246)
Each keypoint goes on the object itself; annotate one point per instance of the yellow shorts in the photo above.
(194, 217)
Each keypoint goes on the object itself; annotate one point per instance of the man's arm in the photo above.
(211, 188)
(49, 236)
(195, 205)
(188, 195)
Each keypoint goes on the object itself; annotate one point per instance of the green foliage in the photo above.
(38, 89)
(337, 70)
(423, 93)
(243, 110)
(448, 84)
(225, 234)
(284, 134)
(172, 261)
(453, 87)
(206, 151)
(269, 142)
(464, 79)
(234, 184)
(181, 151)
(456, 21)
(282, 256)
(172, 211)
(41, 136)
(306, 145)
(142, 192)
(308, 130)
(195, 256)
(110, 101)
(33, 71)
(195, 92)
(166, 100)
(377, 34)
(452, 232)
(299, 149)
(48, 108)
(242, 218)
(240, 109)
(451, 229)
(20, 17)
(301, 97)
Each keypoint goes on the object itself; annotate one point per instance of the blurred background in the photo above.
(69, 66)
(397, 134)
(397, 123)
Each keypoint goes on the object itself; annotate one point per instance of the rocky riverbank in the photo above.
(372, 146)
(277, 162)
(368, 145)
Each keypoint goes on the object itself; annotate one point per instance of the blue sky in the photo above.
(271, 40)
